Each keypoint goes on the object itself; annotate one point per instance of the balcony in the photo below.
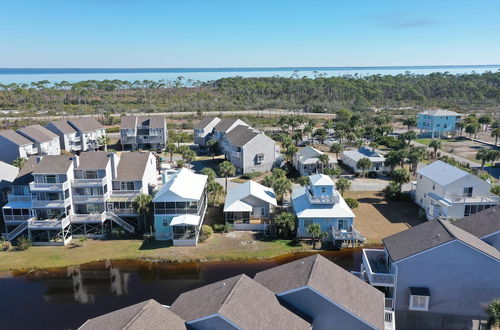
(88, 182)
(89, 218)
(90, 198)
(125, 194)
(389, 321)
(351, 235)
(18, 198)
(51, 224)
(16, 218)
(375, 265)
(322, 199)
(43, 186)
(488, 199)
(50, 204)
(123, 211)
(389, 304)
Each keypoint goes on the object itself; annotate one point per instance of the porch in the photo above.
(247, 221)
(185, 229)
(49, 232)
(376, 270)
(349, 235)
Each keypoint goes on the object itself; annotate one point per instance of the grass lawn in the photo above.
(220, 247)
(423, 141)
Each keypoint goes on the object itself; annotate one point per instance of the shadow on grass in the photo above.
(152, 244)
(272, 239)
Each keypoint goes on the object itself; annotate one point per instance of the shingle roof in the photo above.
(51, 164)
(15, 137)
(183, 186)
(85, 124)
(241, 300)
(250, 188)
(151, 121)
(439, 112)
(132, 166)
(429, 235)
(63, 126)
(205, 121)
(127, 122)
(482, 223)
(148, 314)
(24, 176)
(241, 135)
(225, 124)
(37, 133)
(442, 173)
(332, 281)
(93, 160)
(357, 154)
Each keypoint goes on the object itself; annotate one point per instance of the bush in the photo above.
(6, 246)
(393, 190)
(495, 189)
(223, 228)
(23, 243)
(250, 175)
(206, 232)
(351, 202)
(113, 129)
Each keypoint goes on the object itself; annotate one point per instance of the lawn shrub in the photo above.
(223, 228)
(250, 175)
(352, 202)
(6, 246)
(206, 232)
(23, 243)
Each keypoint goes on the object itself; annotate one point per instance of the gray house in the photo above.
(14, 145)
(225, 126)
(250, 150)
(203, 130)
(235, 303)
(326, 294)
(434, 274)
(69, 138)
(44, 140)
(484, 225)
(145, 132)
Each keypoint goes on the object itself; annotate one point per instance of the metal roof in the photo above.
(357, 154)
(184, 186)
(235, 196)
(304, 209)
(442, 173)
(320, 180)
(439, 112)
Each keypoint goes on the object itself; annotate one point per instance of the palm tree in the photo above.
(171, 148)
(210, 173)
(460, 126)
(435, 145)
(400, 176)
(483, 155)
(495, 133)
(281, 187)
(471, 129)
(493, 311)
(410, 122)
(336, 148)
(19, 162)
(323, 160)
(314, 229)
(104, 140)
(364, 164)
(213, 147)
(320, 134)
(214, 190)
(226, 169)
(343, 185)
(189, 156)
(286, 221)
(142, 206)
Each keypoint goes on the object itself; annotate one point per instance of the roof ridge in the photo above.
(233, 289)
(138, 314)
(313, 268)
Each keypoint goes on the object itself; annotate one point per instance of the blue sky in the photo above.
(225, 33)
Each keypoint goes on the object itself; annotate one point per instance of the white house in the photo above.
(14, 145)
(307, 162)
(89, 130)
(44, 140)
(145, 132)
(179, 208)
(225, 126)
(250, 206)
(351, 158)
(446, 191)
(69, 138)
(203, 130)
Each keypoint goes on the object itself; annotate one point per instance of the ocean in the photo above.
(27, 75)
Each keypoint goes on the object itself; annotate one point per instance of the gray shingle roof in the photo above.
(429, 235)
(205, 121)
(37, 133)
(63, 126)
(151, 121)
(132, 166)
(482, 223)
(24, 176)
(85, 124)
(243, 301)
(241, 135)
(346, 290)
(50, 164)
(127, 122)
(93, 160)
(15, 137)
(225, 124)
(148, 314)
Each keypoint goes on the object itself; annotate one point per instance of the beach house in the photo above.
(351, 157)
(69, 138)
(445, 191)
(434, 272)
(180, 207)
(484, 225)
(89, 130)
(224, 126)
(203, 130)
(14, 145)
(46, 142)
(437, 122)
(307, 161)
(250, 206)
(319, 202)
(144, 132)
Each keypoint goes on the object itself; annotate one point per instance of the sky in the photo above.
(252, 33)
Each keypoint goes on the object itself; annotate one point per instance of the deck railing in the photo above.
(8, 217)
(377, 279)
(389, 304)
(18, 198)
(347, 235)
(49, 186)
(389, 321)
(89, 182)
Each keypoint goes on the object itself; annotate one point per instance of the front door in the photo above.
(342, 224)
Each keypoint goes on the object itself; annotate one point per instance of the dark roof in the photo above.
(132, 166)
(151, 121)
(15, 137)
(148, 314)
(51, 164)
(482, 223)
(62, 126)
(24, 177)
(428, 235)
(205, 121)
(225, 124)
(241, 135)
(37, 133)
(418, 291)
(93, 160)
(241, 300)
(128, 122)
(85, 124)
(332, 281)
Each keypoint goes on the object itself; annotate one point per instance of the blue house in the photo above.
(437, 121)
(319, 202)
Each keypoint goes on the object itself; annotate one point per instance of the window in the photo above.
(165, 223)
(128, 185)
(433, 186)
(467, 192)
(445, 125)
(51, 178)
(307, 222)
(323, 190)
(259, 158)
(90, 174)
(419, 299)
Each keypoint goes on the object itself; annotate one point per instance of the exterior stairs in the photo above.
(119, 221)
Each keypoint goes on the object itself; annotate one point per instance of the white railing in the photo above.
(90, 198)
(18, 198)
(347, 235)
(322, 199)
(125, 210)
(473, 199)
(389, 304)
(120, 221)
(88, 182)
(50, 204)
(389, 321)
(49, 186)
(17, 231)
(377, 279)
(94, 217)
(9, 217)
(125, 193)
(48, 224)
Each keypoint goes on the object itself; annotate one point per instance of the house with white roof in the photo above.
(437, 121)
(436, 273)
(307, 161)
(203, 130)
(250, 206)
(351, 158)
(180, 207)
(446, 191)
(319, 202)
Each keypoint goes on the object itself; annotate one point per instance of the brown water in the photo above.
(65, 298)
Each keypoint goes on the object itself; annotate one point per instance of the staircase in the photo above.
(16, 232)
(119, 221)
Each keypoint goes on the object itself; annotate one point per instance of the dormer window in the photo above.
(419, 299)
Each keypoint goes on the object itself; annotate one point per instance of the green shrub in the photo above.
(351, 202)
(250, 175)
(223, 228)
(113, 129)
(206, 232)
(495, 189)
(6, 246)
(23, 243)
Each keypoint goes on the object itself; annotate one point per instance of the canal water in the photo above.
(64, 298)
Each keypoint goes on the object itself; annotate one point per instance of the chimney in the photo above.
(39, 159)
(76, 161)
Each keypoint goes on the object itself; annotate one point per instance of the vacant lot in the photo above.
(377, 218)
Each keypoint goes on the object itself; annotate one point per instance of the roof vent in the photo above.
(39, 159)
